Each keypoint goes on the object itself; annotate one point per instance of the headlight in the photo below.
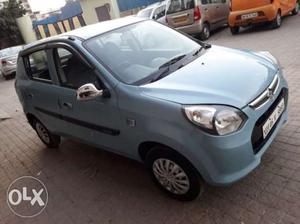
(218, 120)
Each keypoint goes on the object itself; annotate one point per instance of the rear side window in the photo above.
(180, 5)
(37, 66)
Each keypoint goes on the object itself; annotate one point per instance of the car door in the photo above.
(96, 121)
(223, 11)
(220, 12)
(284, 5)
(208, 12)
(180, 12)
(39, 91)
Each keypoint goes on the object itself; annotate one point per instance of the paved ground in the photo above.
(87, 185)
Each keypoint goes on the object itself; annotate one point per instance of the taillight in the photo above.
(197, 13)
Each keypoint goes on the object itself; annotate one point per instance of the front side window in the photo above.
(180, 5)
(72, 71)
(38, 66)
(137, 51)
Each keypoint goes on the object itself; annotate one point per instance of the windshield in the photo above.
(10, 51)
(138, 51)
(145, 13)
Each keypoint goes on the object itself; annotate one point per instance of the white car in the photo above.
(156, 11)
(8, 61)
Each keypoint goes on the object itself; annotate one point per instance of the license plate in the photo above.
(269, 124)
(250, 15)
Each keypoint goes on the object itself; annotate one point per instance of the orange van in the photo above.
(247, 12)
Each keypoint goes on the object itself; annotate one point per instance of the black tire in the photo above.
(195, 184)
(296, 9)
(235, 30)
(205, 34)
(276, 23)
(51, 141)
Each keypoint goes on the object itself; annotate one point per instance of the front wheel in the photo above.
(296, 9)
(174, 174)
(276, 23)
(49, 139)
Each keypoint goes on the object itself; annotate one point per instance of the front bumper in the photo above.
(225, 159)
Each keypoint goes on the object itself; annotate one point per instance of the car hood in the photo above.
(219, 76)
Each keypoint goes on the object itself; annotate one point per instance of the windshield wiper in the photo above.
(160, 74)
(172, 61)
(198, 51)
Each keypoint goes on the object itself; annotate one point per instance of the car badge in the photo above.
(270, 94)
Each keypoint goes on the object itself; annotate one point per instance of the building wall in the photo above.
(89, 12)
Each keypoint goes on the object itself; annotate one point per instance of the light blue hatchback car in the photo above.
(188, 110)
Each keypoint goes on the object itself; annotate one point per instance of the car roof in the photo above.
(89, 31)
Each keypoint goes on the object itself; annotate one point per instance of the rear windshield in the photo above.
(10, 51)
(180, 5)
(237, 5)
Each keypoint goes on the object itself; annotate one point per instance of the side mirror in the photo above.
(88, 92)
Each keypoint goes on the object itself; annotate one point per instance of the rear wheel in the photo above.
(205, 34)
(296, 9)
(49, 139)
(276, 23)
(234, 30)
(173, 174)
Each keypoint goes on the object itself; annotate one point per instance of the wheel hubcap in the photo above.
(279, 19)
(171, 176)
(206, 32)
(42, 132)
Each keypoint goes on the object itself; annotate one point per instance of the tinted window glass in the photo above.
(159, 12)
(73, 72)
(180, 5)
(38, 66)
(204, 2)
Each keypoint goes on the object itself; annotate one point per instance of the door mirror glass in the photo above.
(88, 92)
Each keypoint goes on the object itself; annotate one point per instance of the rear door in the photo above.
(180, 12)
(223, 11)
(40, 92)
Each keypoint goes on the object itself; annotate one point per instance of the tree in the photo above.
(9, 30)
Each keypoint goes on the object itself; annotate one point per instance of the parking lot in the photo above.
(88, 185)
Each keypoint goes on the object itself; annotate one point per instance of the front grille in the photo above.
(267, 94)
(257, 135)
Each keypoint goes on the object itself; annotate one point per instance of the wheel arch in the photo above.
(31, 118)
